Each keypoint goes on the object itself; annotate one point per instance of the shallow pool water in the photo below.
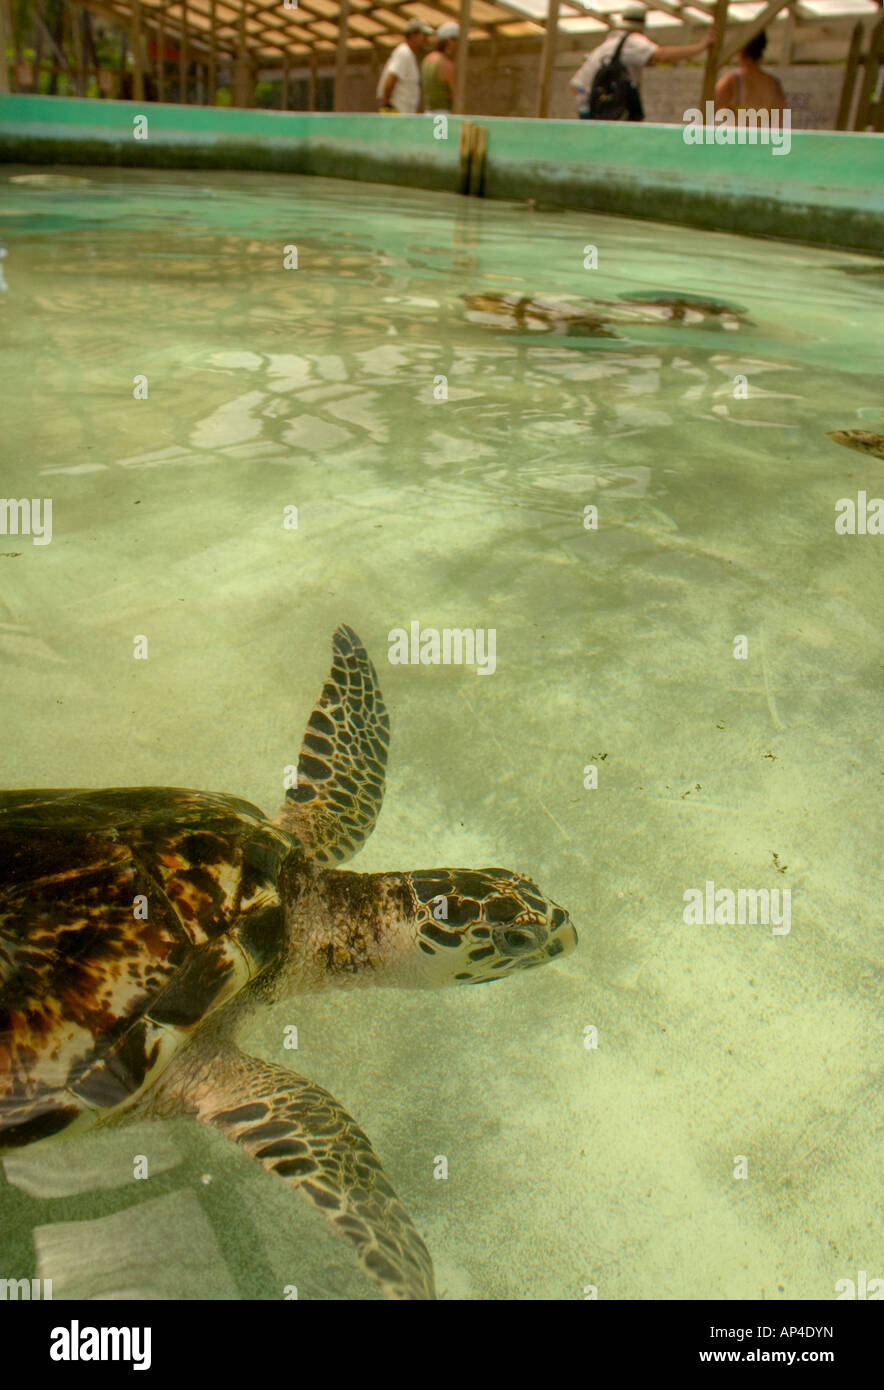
(678, 1109)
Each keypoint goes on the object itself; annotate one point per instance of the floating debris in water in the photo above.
(861, 440)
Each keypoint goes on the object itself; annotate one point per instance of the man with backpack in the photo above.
(607, 84)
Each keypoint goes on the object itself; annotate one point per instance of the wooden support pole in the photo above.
(870, 77)
(850, 69)
(213, 56)
(788, 37)
(478, 146)
(713, 54)
(466, 154)
(182, 56)
(5, 39)
(285, 82)
(137, 42)
(463, 53)
(341, 56)
(738, 38)
(311, 82)
(161, 56)
(79, 61)
(242, 81)
(548, 57)
(124, 53)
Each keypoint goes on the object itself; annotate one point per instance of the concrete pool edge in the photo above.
(828, 190)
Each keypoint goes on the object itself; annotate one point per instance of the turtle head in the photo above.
(475, 925)
(419, 930)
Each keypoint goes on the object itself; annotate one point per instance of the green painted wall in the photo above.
(829, 188)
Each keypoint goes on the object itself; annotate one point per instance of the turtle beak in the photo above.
(564, 941)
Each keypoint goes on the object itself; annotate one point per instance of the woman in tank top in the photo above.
(750, 88)
(437, 69)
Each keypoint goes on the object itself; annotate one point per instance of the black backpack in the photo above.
(613, 95)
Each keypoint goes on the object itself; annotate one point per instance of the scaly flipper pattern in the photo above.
(298, 1131)
(342, 767)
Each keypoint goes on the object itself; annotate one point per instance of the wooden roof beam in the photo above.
(739, 37)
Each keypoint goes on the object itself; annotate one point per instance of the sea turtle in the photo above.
(689, 309)
(862, 440)
(139, 925)
(533, 315)
(597, 318)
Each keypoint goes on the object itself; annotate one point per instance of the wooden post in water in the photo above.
(466, 154)
(341, 56)
(548, 57)
(463, 53)
(713, 54)
(478, 146)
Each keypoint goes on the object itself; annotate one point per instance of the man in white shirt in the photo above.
(399, 88)
(637, 52)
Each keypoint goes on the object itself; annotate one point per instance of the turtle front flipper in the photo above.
(299, 1132)
(342, 767)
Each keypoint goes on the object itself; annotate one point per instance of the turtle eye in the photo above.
(516, 940)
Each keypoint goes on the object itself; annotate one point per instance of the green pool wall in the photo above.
(828, 189)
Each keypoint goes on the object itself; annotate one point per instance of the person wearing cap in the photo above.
(638, 52)
(437, 69)
(399, 88)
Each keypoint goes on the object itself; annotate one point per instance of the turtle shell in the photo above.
(127, 917)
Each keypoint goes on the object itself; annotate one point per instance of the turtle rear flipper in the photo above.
(298, 1131)
(862, 440)
(342, 767)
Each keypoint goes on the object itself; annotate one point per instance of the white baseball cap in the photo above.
(448, 31)
(417, 26)
(635, 14)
